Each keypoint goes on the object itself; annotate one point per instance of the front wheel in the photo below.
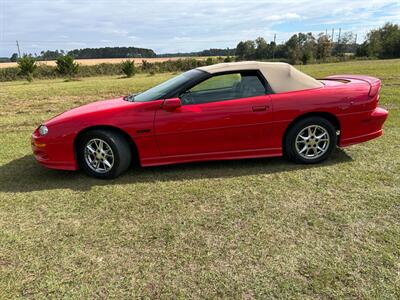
(310, 140)
(103, 153)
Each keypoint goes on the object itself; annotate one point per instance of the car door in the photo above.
(226, 112)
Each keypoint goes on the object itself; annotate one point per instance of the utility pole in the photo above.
(340, 31)
(273, 50)
(326, 32)
(355, 45)
(19, 52)
(333, 32)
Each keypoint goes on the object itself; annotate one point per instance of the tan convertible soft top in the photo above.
(282, 77)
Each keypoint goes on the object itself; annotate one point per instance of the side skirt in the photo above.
(167, 160)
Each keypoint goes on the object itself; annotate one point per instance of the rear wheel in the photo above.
(103, 153)
(310, 140)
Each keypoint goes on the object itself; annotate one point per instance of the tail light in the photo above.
(374, 90)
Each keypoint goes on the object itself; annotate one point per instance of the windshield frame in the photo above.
(176, 86)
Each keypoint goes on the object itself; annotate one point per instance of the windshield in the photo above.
(162, 90)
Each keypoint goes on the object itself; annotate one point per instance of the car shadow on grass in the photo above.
(25, 175)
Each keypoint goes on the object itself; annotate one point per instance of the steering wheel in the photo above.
(187, 98)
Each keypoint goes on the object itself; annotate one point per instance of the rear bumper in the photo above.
(371, 127)
(46, 154)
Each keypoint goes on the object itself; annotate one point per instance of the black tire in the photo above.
(301, 126)
(121, 153)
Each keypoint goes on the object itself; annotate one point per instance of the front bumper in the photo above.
(52, 155)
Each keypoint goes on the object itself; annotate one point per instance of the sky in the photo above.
(168, 26)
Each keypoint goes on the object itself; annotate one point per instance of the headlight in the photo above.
(43, 130)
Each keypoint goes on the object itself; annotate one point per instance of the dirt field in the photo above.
(95, 61)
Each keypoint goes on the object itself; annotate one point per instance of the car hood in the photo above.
(108, 106)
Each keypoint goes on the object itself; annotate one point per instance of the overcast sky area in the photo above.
(178, 26)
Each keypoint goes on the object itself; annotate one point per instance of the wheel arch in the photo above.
(132, 144)
(326, 115)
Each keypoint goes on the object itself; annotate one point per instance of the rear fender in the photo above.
(374, 83)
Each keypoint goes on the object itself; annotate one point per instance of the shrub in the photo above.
(209, 61)
(66, 66)
(9, 74)
(228, 59)
(99, 70)
(27, 67)
(145, 65)
(46, 71)
(14, 57)
(306, 58)
(128, 67)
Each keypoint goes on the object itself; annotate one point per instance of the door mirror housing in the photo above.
(171, 104)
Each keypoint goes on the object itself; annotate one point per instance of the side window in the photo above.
(226, 81)
(225, 87)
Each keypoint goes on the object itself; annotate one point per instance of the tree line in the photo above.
(123, 52)
(207, 52)
(88, 53)
(383, 42)
(112, 52)
(299, 48)
(304, 48)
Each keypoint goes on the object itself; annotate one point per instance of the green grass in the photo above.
(239, 229)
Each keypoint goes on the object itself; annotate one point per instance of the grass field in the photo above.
(239, 229)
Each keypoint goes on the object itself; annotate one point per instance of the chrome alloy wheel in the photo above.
(312, 142)
(99, 155)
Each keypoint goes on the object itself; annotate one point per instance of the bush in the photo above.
(66, 66)
(209, 61)
(228, 59)
(27, 67)
(128, 67)
(306, 58)
(100, 70)
(46, 71)
(9, 74)
(14, 57)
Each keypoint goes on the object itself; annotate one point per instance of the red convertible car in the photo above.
(223, 111)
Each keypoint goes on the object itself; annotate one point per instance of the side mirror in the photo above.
(171, 104)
